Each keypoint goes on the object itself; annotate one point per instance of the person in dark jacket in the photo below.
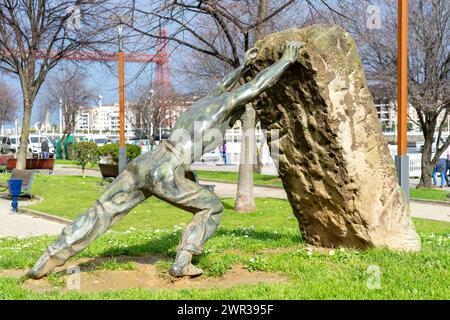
(224, 152)
(441, 167)
(44, 148)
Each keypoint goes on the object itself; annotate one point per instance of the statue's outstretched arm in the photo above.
(227, 83)
(266, 78)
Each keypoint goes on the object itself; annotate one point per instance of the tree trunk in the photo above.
(23, 148)
(258, 166)
(245, 200)
(63, 148)
(427, 166)
(67, 132)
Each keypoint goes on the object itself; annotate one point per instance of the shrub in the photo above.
(112, 152)
(84, 153)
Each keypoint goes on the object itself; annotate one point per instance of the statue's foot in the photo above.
(182, 267)
(43, 266)
(188, 271)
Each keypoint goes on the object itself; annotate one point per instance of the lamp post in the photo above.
(402, 159)
(122, 146)
(150, 123)
(60, 117)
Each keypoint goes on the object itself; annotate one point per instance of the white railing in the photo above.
(415, 162)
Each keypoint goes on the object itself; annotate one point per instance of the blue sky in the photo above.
(102, 80)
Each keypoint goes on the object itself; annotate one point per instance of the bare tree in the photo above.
(8, 104)
(428, 68)
(144, 113)
(67, 89)
(152, 109)
(223, 30)
(36, 35)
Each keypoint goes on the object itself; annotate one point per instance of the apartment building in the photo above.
(103, 118)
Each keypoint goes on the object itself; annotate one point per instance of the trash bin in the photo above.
(15, 188)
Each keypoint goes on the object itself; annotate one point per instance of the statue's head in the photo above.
(251, 55)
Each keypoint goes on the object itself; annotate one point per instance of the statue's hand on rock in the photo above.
(250, 55)
(291, 49)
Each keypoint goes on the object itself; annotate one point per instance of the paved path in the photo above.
(23, 226)
(269, 170)
(66, 170)
(418, 210)
(61, 170)
(430, 211)
(413, 183)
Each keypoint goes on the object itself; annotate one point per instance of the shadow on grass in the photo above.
(99, 262)
(227, 206)
(167, 243)
(260, 235)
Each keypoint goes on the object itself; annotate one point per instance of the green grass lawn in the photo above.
(429, 194)
(66, 162)
(233, 177)
(266, 240)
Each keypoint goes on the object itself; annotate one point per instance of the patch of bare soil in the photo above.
(145, 275)
(15, 273)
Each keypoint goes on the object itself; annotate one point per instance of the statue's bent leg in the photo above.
(207, 209)
(122, 196)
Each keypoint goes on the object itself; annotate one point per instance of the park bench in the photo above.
(108, 171)
(27, 179)
(33, 164)
(111, 171)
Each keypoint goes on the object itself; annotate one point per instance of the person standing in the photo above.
(441, 167)
(224, 152)
(447, 171)
(44, 148)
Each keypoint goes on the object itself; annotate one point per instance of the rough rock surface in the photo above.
(333, 159)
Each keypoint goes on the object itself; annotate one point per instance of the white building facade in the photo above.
(103, 118)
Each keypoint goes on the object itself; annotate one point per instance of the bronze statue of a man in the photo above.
(161, 173)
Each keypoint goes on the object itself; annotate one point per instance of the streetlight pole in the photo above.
(60, 117)
(150, 122)
(402, 159)
(89, 122)
(122, 146)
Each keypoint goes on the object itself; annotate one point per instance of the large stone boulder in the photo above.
(334, 162)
